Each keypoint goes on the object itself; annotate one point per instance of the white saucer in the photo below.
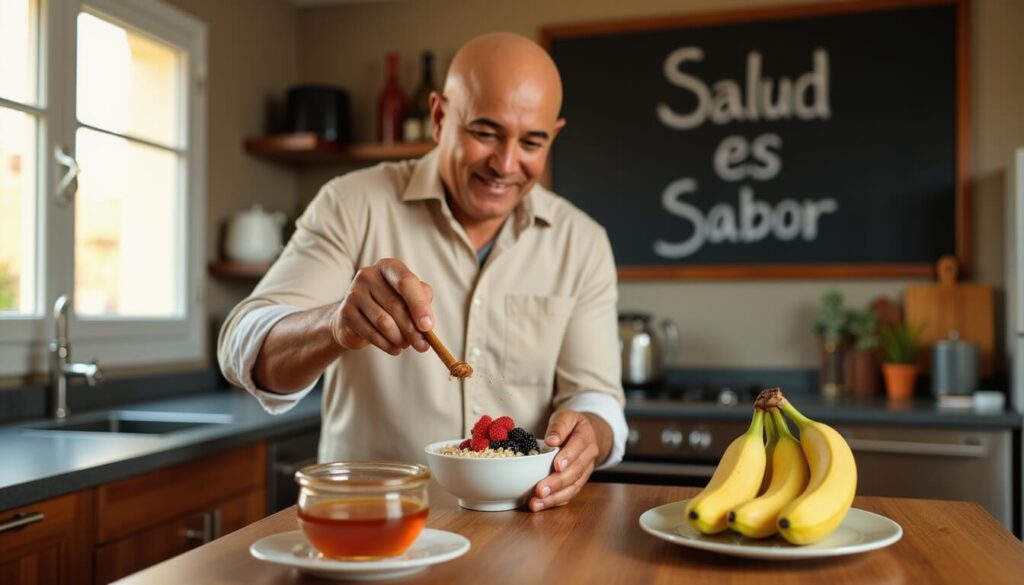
(292, 549)
(859, 532)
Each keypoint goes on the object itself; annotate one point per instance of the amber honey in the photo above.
(363, 527)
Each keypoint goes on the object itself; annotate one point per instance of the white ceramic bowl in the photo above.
(489, 485)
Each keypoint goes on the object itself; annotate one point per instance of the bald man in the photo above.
(463, 242)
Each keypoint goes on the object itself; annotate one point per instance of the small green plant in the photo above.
(863, 326)
(900, 342)
(830, 319)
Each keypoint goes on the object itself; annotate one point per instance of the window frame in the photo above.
(118, 341)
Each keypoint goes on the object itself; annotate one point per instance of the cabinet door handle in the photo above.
(20, 521)
(289, 469)
(212, 525)
(917, 448)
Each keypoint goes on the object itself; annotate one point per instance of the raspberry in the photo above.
(466, 444)
(497, 432)
(504, 421)
(479, 444)
(481, 426)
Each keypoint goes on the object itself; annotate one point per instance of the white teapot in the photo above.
(254, 235)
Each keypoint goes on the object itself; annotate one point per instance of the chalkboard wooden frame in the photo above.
(962, 205)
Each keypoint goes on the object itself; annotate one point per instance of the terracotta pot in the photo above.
(899, 380)
(862, 372)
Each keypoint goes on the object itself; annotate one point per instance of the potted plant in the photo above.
(829, 324)
(862, 371)
(900, 344)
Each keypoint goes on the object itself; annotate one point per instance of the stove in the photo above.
(723, 394)
(673, 449)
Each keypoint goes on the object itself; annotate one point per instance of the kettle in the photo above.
(254, 235)
(645, 350)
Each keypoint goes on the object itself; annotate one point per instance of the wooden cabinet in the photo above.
(48, 543)
(143, 520)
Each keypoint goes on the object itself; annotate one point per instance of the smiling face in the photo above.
(494, 126)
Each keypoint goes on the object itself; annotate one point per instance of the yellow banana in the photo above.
(769, 449)
(758, 518)
(736, 480)
(822, 506)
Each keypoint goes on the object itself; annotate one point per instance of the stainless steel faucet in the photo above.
(61, 368)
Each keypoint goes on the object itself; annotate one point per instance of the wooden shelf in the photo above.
(309, 148)
(230, 269)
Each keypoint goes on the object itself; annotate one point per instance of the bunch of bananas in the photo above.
(799, 489)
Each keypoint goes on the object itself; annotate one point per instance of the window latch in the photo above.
(64, 193)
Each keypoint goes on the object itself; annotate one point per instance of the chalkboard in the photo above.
(826, 140)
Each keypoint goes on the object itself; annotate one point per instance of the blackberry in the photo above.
(507, 445)
(522, 440)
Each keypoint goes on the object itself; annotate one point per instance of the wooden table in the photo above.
(597, 539)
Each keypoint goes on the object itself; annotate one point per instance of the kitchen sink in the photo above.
(131, 422)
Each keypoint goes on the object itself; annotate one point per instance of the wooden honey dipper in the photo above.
(457, 368)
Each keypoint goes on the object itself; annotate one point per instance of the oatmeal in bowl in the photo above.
(496, 469)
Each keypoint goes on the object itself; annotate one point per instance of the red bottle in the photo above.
(391, 105)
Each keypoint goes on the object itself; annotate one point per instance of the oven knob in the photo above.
(634, 437)
(671, 438)
(700, 439)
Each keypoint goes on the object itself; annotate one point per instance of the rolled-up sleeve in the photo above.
(238, 356)
(588, 373)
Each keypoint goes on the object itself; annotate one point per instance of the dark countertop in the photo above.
(921, 412)
(38, 466)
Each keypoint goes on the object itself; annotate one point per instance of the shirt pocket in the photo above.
(534, 328)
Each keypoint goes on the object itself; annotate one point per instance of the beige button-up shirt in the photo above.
(537, 321)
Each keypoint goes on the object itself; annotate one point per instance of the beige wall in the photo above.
(252, 59)
(728, 323)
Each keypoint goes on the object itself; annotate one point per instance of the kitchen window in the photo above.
(102, 171)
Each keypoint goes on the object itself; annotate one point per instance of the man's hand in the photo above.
(586, 440)
(387, 306)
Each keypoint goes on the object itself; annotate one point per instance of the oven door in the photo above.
(672, 452)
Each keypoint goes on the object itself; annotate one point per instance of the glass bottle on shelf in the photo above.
(418, 126)
(391, 105)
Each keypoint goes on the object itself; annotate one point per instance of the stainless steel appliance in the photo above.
(892, 460)
(1015, 315)
(285, 456)
(954, 367)
(646, 349)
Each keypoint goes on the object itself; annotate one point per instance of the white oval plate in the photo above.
(292, 549)
(859, 532)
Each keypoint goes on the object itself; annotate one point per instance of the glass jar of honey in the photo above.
(362, 510)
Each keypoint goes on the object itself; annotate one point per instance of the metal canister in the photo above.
(954, 367)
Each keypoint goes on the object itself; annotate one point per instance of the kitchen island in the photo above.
(597, 539)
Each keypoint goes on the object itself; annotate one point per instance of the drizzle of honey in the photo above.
(363, 528)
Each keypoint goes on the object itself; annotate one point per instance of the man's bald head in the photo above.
(504, 64)
(494, 126)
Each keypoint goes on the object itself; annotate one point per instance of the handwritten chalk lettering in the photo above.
(807, 98)
(757, 219)
(732, 153)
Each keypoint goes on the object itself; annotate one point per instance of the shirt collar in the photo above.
(425, 184)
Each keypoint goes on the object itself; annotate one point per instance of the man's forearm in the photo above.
(296, 350)
(604, 436)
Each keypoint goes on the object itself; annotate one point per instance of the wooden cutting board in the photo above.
(951, 306)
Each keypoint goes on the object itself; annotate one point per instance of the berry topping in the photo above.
(505, 421)
(522, 440)
(497, 432)
(481, 426)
